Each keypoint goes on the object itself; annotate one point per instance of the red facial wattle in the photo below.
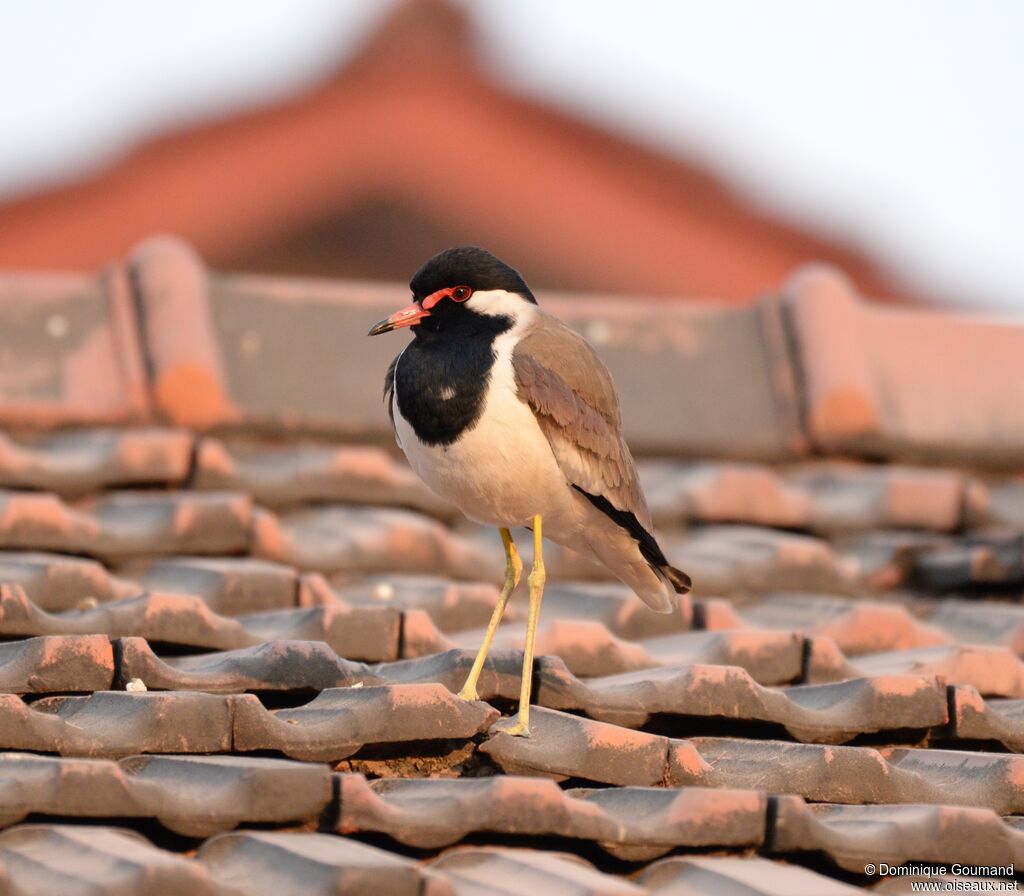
(455, 293)
(412, 314)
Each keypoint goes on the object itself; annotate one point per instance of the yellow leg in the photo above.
(513, 570)
(520, 725)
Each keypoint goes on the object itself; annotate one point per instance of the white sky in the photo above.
(894, 125)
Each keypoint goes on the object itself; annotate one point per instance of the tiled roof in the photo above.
(233, 622)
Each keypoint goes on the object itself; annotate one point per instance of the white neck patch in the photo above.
(502, 303)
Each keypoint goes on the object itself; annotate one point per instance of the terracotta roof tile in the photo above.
(359, 540)
(115, 861)
(190, 795)
(855, 835)
(271, 666)
(740, 559)
(751, 876)
(977, 719)
(453, 606)
(239, 325)
(361, 633)
(564, 746)
(1000, 505)
(116, 724)
(123, 525)
(823, 497)
(976, 562)
(56, 663)
(271, 863)
(589, 649)
(339, 721)
(857, 626)
(55, 582)
(229, 585)
(284, 476)
(70, 348)
(75, 463)
(831, 713)
(901, 384)
(994, 671)
(633, 823)
(493, 871)
(980, 622)
(857, 774)
(170, 618)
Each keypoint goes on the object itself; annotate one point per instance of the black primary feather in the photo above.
(649, 548)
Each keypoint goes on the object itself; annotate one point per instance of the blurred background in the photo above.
(661, 149)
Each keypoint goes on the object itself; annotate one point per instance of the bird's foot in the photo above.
(469, 693)
(514, 727)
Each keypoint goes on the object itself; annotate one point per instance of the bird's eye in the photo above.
(461, 293)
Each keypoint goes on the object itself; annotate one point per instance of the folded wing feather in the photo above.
(568, 387)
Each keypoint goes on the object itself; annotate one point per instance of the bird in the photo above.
(510, 415)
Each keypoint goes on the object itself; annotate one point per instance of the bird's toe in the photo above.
(514, 727)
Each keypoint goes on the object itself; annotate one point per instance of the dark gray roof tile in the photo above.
(282, 476)
(279, 863)
(77, 462)
(453, 606)
(168, 618)
(588, 648)
(857, 625)
(852, 774)
(634, 823)
(56, 664)
(362, 540)
(117, 723)
(271, 666)
(230, 585)
(340, 721)
(736, 876)
(977, 719)
(122, 525)
(822, 496)
(981, 622)
(191, 795)
(361, 633)
(853, 836)
(974, 562)
(724, 560)
(828, 713)
(77, 860)
(563, 746)
(994, 671)
(500, 871)
(60, 582)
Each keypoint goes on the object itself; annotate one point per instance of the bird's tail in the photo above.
(671, 582)
(678, 579)
(648, 572)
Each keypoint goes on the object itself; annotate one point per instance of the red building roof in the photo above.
(411, 146)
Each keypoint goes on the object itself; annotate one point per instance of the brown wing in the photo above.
(571, 393)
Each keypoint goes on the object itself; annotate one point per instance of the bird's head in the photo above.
(456, 286)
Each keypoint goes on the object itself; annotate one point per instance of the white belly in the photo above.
(501, 471)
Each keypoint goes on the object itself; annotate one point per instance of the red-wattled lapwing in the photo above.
(510, 415)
